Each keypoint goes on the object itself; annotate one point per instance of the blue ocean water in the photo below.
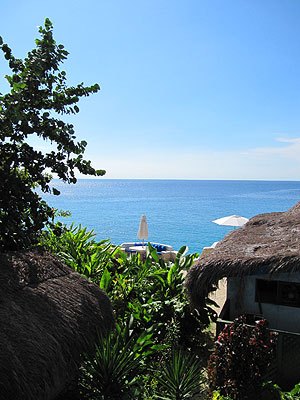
(179, 212)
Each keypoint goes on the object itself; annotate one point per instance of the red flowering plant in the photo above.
(241, 358)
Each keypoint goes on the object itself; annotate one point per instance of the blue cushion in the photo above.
(159, 248)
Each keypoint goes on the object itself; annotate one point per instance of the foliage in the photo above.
(270, 391)
(147, 294)
(218, 396)
(276, 393)
(149, 289)
(22, 211)
(110, 370)
(240, 358)
(180, 377)
(294, 394)
(39, 95)
(78, 249)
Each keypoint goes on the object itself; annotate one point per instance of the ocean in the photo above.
(179, 212)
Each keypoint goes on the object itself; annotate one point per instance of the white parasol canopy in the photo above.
(231, 220)
(143, 229)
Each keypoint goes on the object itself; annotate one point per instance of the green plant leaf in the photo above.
(105, 280)
(171, 273)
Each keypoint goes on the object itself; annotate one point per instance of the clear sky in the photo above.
(190, 89)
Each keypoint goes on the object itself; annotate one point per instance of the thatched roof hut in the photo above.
(270, 242)
(47, 311)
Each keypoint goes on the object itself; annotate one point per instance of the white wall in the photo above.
(241, 292)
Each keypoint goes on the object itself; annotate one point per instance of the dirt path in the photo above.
(219, 296)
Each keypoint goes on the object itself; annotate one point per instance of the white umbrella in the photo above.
(143, 229)
(231, 220)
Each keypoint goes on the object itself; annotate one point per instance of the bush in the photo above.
(240, 359)
(150, 290)
(274, 392)
(179, 377)
(148, 294)
(111, 369)
(270, 391)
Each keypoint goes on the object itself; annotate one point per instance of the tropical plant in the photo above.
(78, 249)
(110, 370)
(218, 396)
(180, 377)
(240, 359)
(148, 294)
(38, 95)
(293, 394)
(272, 391)
(151, 290)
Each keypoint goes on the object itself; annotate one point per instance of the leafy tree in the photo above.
(38, 97)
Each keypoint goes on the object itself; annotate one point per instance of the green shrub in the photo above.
(111, 369)
(148, 296)
(179, 377)
(78, 249)
(218, 396)
(149, 289)
(274, 392)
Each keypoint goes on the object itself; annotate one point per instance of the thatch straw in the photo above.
(46, 312)
(270, 242)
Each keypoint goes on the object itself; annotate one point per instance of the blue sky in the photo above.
(193, 89)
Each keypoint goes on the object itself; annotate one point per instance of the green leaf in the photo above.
(181, 252)
(48, 23)
(170, 277)
(153, 253)
(55, 192)
(105, 280)
(295, 390)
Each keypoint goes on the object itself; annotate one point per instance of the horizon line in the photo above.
(186, 179)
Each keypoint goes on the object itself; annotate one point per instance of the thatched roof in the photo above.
(268, 241)
(46, 312)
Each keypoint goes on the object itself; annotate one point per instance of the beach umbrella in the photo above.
(143, 229)
(231, 220)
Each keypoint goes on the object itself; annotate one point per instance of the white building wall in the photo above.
(241, 292)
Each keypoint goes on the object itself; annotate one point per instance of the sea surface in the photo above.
(179, 212)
